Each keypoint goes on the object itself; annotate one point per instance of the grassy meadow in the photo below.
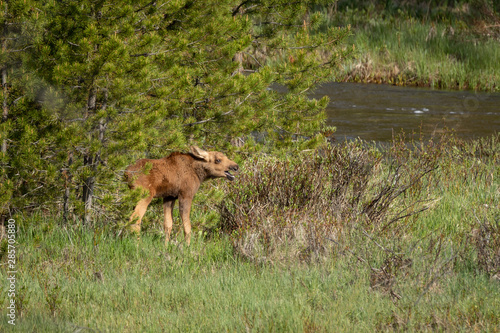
(454, 47)
(345, 238)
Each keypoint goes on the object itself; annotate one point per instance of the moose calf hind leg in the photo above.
(168, 206)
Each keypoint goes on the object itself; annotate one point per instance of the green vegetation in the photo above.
(311, 236)
(411, 242)
(89, 87)
(439, 44)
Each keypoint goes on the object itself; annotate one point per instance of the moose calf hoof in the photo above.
(136, 229)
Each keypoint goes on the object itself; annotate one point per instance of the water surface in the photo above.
(375, 112)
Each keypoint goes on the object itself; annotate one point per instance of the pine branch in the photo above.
(224, 114)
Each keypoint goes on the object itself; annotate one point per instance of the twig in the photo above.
(224, 114)
(402, 217)
(431, 282)
(376, 243)
(355, 255)
(253, 57)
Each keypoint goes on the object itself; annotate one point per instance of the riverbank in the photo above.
(347, 238)
(443, 47)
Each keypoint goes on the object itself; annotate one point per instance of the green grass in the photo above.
(435, 275)
(401, 48)
(144, 287)
(467, 192)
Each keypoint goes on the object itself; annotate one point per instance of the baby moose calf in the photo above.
(177, 176)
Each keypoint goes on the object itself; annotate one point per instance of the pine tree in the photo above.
(90, 54)
(129, 79)
(25, 134)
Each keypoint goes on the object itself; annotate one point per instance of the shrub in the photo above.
(298, 206)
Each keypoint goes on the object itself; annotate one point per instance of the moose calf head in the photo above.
(217, 165)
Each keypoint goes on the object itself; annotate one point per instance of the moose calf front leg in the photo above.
(138, 213)
(168, 206)
(184, 210)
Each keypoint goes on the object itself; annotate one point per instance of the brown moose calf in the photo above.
(177, 176)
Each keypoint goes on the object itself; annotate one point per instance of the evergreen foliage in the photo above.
(98, 84)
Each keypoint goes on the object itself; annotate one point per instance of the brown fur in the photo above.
(177, 176)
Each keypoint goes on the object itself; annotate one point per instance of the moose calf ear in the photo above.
(199, 153)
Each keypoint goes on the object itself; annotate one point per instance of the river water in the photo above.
(375, 112)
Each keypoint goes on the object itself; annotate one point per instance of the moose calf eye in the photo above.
(217, 161)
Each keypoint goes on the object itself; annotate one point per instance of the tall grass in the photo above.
(450, 50)
(330, 240)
